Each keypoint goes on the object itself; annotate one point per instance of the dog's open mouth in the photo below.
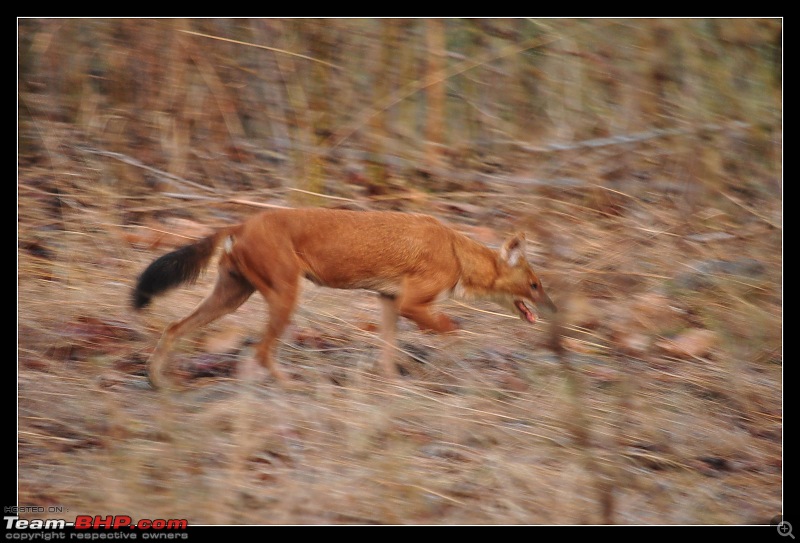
(524, 312)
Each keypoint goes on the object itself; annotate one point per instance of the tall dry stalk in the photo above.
(579, 425)
(435, 92)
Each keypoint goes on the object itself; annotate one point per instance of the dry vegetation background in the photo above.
(642, 157)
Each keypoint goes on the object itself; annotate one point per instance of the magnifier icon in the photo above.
(784, 528)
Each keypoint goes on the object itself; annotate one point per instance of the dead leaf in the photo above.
(653, 311)
(513, 383)
(367, 326)
(308, 337)
(689, 344)
(633, 343)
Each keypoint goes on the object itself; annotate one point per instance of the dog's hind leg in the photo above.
(230, 291)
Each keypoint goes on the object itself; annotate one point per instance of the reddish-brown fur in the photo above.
(408, 259)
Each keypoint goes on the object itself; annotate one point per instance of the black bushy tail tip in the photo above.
(172, 269)
(141, 299)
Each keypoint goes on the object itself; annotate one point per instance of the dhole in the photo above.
(408, 259)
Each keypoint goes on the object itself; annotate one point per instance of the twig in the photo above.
(632, 138)
(258, 46)
(329, 196)
(139, 164)
(749, 210)
(254, 204)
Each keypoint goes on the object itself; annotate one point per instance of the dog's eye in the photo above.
(534, 285)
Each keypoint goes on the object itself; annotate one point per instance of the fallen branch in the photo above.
(139, 164)
(632, 138)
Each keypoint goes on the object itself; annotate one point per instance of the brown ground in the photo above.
(672, 306)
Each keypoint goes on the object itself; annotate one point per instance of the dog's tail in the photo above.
(173, 269)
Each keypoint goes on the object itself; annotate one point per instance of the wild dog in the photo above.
(409, 260)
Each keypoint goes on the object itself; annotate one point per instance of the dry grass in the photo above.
(487, 427)
(643, 157)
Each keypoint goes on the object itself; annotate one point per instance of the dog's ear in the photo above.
(513, 250)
